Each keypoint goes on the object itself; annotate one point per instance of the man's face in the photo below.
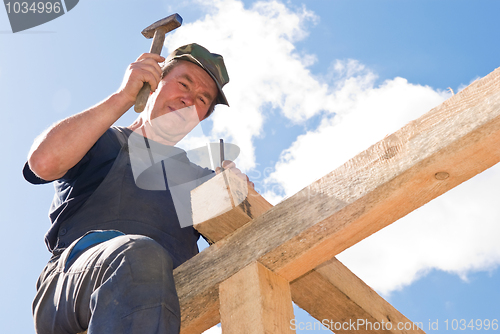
(181, 101)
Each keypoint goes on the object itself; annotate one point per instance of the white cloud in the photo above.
(364, 115)
(263, 65)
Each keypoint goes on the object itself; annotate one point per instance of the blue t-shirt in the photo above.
(79, 183)
(76, 187)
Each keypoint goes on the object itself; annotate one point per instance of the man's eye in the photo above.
(183, 84)
(202, 100)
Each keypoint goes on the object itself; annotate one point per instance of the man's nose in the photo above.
(187, 99)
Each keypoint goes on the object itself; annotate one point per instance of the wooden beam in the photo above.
(256, 301)
(336, 297)
(223, 204)
(421, 161)
(330, 292)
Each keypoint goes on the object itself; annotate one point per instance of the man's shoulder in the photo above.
(104, 150)
(121, 133)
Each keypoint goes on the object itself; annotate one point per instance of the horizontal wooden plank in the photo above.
(341, 301)
(421, 161)
(331, 293)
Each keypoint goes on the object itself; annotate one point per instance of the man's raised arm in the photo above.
(65, 143)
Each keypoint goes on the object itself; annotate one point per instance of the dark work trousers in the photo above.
(123, 285)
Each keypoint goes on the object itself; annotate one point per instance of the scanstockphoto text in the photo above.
(366, 325)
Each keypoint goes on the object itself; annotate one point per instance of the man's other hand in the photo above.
(228, 164)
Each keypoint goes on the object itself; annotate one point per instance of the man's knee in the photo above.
(147, 260)
(139, 274)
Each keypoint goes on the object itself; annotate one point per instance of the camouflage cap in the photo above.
(210, 62)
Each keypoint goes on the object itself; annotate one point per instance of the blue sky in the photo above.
(312, 84)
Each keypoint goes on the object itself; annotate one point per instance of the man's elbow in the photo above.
(44, 166)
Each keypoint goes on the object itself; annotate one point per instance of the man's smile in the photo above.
(176, 112)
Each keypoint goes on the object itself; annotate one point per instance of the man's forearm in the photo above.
(64, 144)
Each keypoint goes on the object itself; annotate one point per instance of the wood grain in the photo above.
(255, 301)
(382, 184)
(333, 295)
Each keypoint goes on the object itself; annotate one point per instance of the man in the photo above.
(115, 234)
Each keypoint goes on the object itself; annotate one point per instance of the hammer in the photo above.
(156, 31)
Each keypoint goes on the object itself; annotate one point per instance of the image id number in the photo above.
(36, 7)
(478, 324)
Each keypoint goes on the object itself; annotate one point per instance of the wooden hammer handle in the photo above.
(156, 46)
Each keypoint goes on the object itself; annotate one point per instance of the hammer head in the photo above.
(169, 23)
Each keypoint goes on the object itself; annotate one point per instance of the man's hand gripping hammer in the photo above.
(156, 31)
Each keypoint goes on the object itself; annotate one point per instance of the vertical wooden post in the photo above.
(255, 301)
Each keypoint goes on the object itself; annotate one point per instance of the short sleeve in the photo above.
(105, 146)
(72, 173)
(31, 177)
